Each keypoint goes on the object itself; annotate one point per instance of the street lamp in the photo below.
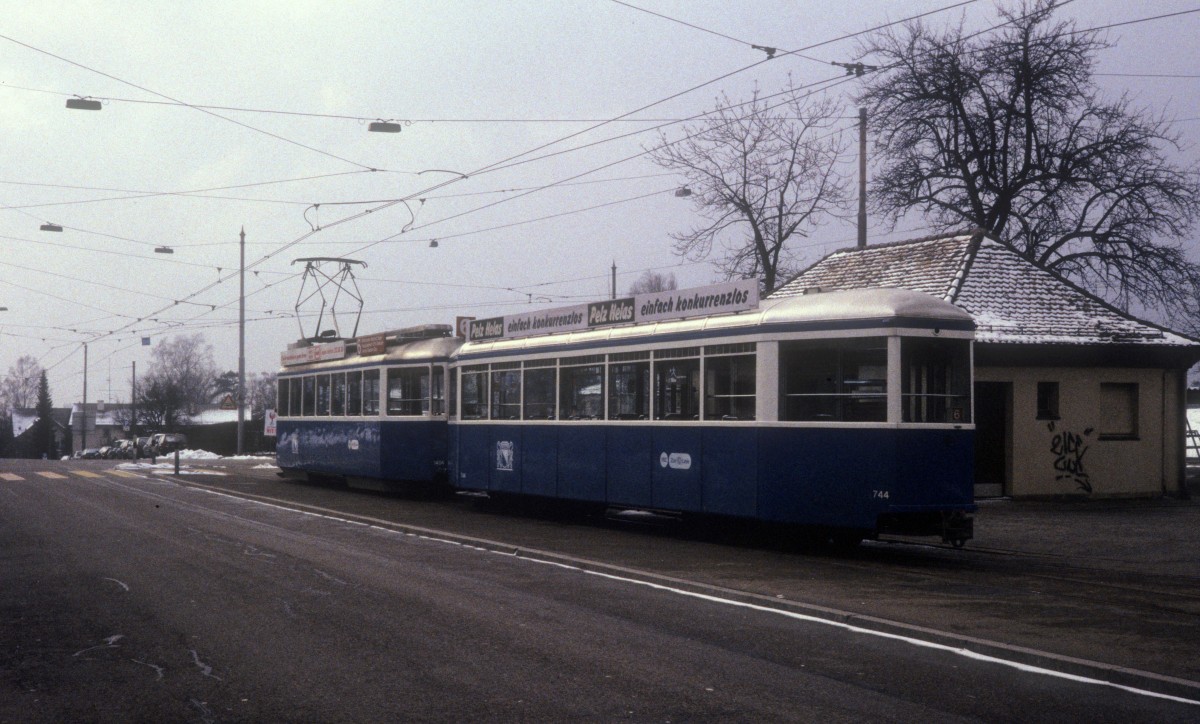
(384, 127)
(163, 250)
(83, 104)
(50, 227)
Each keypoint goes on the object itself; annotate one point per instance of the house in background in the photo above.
(210, 426)
(1073, 397)
(22, 422)
(106, 423)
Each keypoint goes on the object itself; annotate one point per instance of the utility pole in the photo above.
(858, 70)
(83, 427)
(614, 279)
(133, 404)
(862, 178)
(241, 391)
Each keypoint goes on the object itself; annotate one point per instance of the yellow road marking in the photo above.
(11, 477)
(125, 474)
(87, 473)
(55, 476)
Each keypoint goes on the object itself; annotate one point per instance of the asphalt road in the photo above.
(132, 597)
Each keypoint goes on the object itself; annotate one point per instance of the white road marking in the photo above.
(958, 651)
(156, 667)
(122, 585)
(204, 668)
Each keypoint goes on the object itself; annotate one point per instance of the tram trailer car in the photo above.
(848, 412)
(370, 411)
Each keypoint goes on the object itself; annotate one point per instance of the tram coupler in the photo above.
(957, 528)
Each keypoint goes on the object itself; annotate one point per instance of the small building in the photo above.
(105, 424)
(1073, 397)
(23, 420)
(108, 422)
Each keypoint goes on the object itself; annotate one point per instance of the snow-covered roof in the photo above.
(22, 420)
(1012, 300)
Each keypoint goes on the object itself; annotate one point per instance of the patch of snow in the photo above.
(194, 455)
(265, 466)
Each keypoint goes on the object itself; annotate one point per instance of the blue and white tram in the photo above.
(371, 410)
(844, 411)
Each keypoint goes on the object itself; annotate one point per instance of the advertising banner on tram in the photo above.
(736, 296)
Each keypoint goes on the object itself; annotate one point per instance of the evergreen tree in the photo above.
(43, 429)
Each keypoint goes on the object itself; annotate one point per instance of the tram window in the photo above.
(539, 393)
(370, 392)
(474, 392)
(408, 391)
(322, 395)
(438, 390)
(834, 380)
(281, 403)
(581, 384)
(506, 391)
(294, 393)
(310, 396)
(354, 393)
(676, 385)
(936, 376)
(629, 386)
(337, 400)
(729, 387)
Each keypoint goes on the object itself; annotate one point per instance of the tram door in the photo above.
(993, 432)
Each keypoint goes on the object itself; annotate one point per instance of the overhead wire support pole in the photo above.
(241, 392)
(862, 178)
(83, 411)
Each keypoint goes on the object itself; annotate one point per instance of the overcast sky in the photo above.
(288, 89)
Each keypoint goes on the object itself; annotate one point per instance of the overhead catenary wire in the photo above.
(176, 100)
(348, 219)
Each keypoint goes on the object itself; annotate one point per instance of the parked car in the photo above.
(90, 453)
(141, 447)
(121, 450)
(165, 443)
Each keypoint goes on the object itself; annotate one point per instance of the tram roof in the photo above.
(417, 350)
(814, 311)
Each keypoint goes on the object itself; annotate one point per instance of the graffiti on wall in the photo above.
(1068, 449)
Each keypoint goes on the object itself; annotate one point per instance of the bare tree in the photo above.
(760, 172)
(19, 388)
(180, 378)
(652, 281)
(260, 389)
(1007, 132)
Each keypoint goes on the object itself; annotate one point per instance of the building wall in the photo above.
(1088, 448)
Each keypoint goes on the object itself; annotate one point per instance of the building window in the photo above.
(1047, 401)
(1119, 411)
